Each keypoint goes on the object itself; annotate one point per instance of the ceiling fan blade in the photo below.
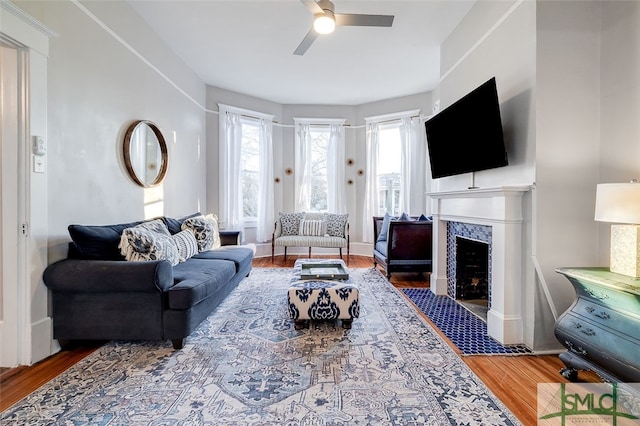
(306, 42)
(356, 20)
(312, 6)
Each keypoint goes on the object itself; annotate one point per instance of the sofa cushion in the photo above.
(99, 242)
(242, 256)
(336, 223)
(149, 241)
(290, 223)
(197, 279)
(175, 224)
(186, 244)
(205, 229)
(381, 247)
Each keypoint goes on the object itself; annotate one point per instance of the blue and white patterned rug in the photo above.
(247, 365)
(463, 328)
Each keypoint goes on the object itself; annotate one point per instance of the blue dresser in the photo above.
(601, 328)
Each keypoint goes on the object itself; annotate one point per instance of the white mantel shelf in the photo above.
(502, 209)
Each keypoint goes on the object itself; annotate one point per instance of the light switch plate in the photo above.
(39, 164)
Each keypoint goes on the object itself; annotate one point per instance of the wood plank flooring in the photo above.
(513, 379)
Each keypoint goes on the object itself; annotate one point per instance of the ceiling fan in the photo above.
(325, 21)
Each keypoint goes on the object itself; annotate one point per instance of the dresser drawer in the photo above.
(607, 317)
(594, 340)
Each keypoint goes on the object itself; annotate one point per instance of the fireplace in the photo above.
(492, 216)
(472, 270)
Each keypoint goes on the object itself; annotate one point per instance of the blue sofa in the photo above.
(98, 295)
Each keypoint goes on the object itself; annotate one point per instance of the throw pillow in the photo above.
(384, 228)
(336, 224)
(290, 223)
(186, 243)
(423, 218)
(312, 228)
(404, 217)
(148, 241)
(175, 224)
(205, 229)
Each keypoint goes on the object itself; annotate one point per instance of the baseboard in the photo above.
(42, 344)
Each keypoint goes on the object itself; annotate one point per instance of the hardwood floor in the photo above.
(513, 379)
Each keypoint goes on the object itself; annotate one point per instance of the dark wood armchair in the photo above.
(407, 247)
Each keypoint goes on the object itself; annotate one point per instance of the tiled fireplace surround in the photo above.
(493, 216)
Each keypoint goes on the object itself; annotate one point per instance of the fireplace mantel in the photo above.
(502, 209)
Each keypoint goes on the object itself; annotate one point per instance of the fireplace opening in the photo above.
(472, 275)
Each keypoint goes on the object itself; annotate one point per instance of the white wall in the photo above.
(620, 100)
(97, 87)
(568, 81)
(567, 150)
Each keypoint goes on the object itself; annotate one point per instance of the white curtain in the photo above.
(413, 164)
(231, 215)
(265, 184)
(302, 162)
(371, 184)
(336, 183)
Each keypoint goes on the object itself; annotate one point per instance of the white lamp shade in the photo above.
(618, 203)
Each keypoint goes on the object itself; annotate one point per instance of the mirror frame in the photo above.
(163, 151)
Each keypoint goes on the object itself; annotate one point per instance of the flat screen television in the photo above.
(467, 135)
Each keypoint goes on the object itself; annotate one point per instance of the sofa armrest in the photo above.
(230, 238)
(108, 276)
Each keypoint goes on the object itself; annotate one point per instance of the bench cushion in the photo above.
(310, 241)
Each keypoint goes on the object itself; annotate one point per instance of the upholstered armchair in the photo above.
(406, 246)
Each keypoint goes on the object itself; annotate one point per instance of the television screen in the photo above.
(467, 135)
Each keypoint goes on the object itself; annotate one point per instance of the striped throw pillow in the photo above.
(186, 243)
(312, 228)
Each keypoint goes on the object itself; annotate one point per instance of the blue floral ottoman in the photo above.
(322, 299)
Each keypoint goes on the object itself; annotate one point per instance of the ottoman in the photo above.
(322, 299)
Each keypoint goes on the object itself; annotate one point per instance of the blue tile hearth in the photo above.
(464, 329)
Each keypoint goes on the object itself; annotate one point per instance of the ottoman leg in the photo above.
(346, 323)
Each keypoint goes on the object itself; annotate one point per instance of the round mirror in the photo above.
(145, 153)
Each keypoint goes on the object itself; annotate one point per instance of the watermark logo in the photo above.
(568, 404)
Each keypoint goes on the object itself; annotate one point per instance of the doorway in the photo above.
(9, 201)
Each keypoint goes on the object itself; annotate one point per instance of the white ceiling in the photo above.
(247, 47)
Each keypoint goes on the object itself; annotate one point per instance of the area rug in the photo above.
(247, 365)
(462, 327)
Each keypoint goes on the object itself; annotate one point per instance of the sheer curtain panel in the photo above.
(336, 182)
(302, 162)
(231, 216)
(265, 187)
(371, 184)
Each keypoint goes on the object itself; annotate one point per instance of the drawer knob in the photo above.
(602, 314)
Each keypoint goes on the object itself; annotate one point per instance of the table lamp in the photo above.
(619, 203)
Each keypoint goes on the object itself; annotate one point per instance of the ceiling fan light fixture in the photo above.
(324, 23)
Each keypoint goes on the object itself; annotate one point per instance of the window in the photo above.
(320, 165)
(319, 150)
(250, 167)
(246, 170)
(389, 169)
